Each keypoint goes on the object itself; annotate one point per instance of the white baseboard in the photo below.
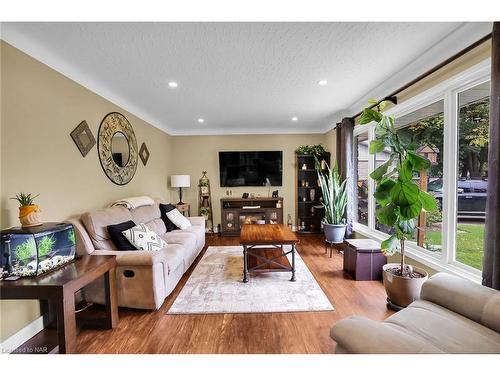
(21, 336)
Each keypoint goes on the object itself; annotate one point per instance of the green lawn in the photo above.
(470, 243)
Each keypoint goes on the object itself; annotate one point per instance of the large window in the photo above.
(472, 176)
(423, 128)
(449, 125)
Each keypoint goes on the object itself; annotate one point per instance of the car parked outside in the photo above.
(471, 197)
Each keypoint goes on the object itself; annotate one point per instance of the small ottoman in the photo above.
(363, 259)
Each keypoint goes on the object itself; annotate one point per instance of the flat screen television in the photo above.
(251, 168)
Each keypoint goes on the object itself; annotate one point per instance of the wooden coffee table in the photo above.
(263, 249)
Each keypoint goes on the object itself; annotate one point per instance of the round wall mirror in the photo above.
(117, 148)
(120, 149)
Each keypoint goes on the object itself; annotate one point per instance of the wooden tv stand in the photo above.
(238, 211)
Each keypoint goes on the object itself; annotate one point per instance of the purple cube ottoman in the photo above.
(363, 259)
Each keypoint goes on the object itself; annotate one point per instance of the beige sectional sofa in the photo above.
(453, 315)
(144, 278)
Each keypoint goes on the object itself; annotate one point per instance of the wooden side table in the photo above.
(184, 209)
(58, 289)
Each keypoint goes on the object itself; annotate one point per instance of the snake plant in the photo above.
(334, 193)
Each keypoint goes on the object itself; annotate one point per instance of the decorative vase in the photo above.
(29, 216)
(304, 166)
(401, 291)
(334, 233)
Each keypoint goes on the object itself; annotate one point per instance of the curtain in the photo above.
(345, 159)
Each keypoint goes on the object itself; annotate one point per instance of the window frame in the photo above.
(447, 91)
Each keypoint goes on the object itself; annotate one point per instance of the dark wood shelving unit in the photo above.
(308, 215)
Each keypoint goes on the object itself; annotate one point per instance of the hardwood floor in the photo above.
(156, 332)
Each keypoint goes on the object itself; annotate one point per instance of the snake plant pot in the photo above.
(29, 215)
(402, 290)
(334, 233)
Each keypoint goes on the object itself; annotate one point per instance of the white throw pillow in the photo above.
(144, 238)
(178, 219)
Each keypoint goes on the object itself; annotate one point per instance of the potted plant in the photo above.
(400, 202)
(29, 213)
(334, 201)
(311, 150)
(205, 212)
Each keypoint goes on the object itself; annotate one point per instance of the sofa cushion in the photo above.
(197, 231)
(151, 216)
(178, 219)
(445, 329)
(119, 240)
(164, 209)
(474, 301)
(359, 335)
(96, 223)
(186, 239)
(144, 238)
(174, 256)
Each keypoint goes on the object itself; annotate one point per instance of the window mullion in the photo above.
(450, 167)
(371, 182)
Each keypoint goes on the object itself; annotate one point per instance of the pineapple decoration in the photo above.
(205, 202)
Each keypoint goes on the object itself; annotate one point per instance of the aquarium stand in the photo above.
(56, 292)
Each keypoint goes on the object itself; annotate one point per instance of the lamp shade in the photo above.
(180, 180)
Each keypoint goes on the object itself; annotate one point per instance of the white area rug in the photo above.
(215, 286)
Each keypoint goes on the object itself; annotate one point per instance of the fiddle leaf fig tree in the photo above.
(399, 198)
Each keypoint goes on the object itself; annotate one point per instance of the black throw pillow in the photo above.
(120, 241)
(164, 208)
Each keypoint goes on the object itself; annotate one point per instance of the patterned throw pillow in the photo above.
(144, 238)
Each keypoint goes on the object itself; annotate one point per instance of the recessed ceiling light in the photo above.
(172, 84)
(201, 120)
(323, 82)
(294, 119)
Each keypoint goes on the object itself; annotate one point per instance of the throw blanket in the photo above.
(134, 202)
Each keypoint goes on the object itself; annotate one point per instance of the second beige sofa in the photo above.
(453, 315)
(144, 278)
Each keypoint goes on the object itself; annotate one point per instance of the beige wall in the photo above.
(40, 107)
(194, 154)
(330, 138)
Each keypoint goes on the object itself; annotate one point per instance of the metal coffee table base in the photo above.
(271, 258)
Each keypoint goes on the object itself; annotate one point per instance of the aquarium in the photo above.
(35, 250)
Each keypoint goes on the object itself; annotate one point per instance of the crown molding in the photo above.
(247, 131)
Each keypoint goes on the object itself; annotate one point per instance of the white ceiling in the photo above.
(239, 77)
